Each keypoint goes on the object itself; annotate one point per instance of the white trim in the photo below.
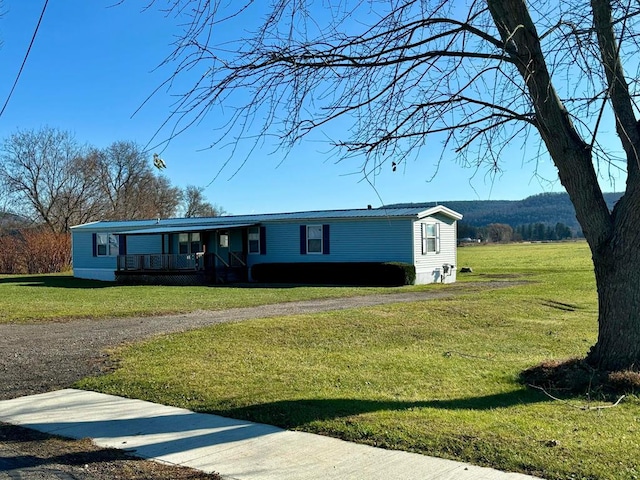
(321, 239)
(425, 237)
(440, 209)
(249, 252)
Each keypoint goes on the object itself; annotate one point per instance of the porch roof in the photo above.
(184, 229)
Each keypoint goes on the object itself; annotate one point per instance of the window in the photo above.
(430, 238)
(314, 238)
(195, 242)
(254, 240)
(188, 243)
(106, 245)
(183, 243)
(224, 240)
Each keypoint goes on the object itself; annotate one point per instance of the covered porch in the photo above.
(188, 255)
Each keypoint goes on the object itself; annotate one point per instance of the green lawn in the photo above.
(57, 297)
(436, 377)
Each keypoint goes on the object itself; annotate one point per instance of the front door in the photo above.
(223, 245)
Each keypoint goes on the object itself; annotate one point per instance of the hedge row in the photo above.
(336, 273)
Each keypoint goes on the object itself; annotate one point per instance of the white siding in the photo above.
(430, 266)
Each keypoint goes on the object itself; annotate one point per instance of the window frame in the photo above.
(107, 244)
(320, 228)
(183, 243)
(430, 233)
(251, 231)
(186, 243)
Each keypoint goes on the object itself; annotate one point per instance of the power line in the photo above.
(26, 55)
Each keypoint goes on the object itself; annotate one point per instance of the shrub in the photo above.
(336, 273)
(34, 250)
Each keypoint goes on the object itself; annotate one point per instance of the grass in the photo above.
(438, 377)
(61, 297)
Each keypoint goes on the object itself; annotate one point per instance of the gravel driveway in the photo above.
(41, 357)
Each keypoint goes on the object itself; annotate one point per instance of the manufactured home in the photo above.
(224, 249)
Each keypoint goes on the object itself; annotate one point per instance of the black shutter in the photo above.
(263, 240)
(122, 245)
(326, 243)
(94, 237)
(303, 239)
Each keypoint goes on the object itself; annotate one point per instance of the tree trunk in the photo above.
(614, 237)
(617, 269)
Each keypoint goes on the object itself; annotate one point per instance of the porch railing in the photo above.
(158, 261)
(176, 262)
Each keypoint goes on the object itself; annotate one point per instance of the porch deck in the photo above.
(181, 269)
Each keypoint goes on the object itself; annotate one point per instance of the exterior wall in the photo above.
(85, 265)
(429, 266)
(139, 244)
(361, 240)
(375, 239)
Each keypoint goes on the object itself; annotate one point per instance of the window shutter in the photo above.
(437, 238)
(303, 239)
(263, 240)
(423, 237)
(326, 243)
(122, 245)
(94, 237)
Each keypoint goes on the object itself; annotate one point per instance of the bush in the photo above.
(34, 250)
(336, 273)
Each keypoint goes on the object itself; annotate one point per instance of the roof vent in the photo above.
(368, 207)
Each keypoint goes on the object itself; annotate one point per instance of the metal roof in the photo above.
(214, 223)
(185, 229)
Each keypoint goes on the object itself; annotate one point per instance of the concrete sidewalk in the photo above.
(234, 449)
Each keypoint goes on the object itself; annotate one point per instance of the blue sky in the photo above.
(93, 65)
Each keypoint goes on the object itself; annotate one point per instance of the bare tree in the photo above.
(128, 186)
(47, 176)
(121, 170)
(50, 178)
(164, 199)
(479, 77)
(499, 232)
(196, 205)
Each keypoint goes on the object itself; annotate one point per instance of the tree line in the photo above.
(49, 181)
(503, 233)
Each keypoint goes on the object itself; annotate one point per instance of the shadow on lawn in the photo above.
(55, 281)
(67, 281)
(295, 413)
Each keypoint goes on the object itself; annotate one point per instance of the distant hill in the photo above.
(547, 208)
(10, 221)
